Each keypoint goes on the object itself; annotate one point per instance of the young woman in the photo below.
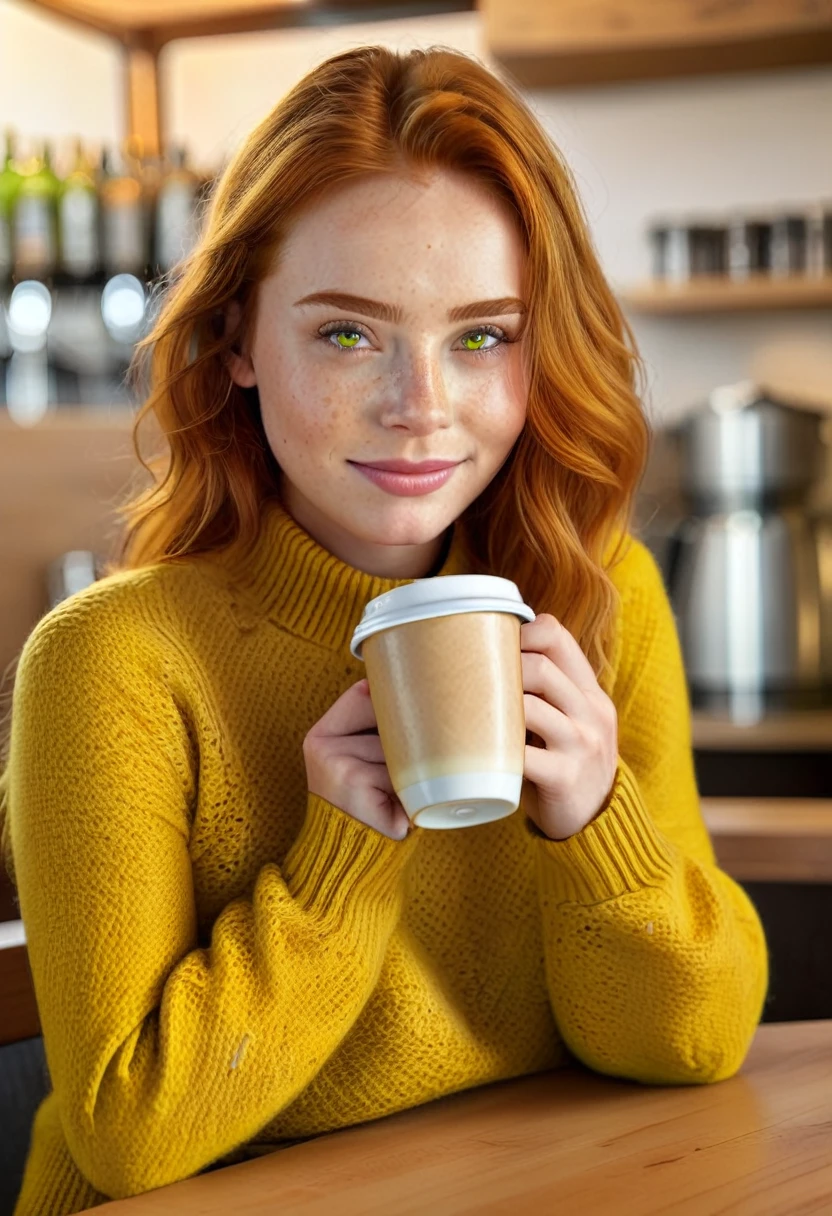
(236, 939)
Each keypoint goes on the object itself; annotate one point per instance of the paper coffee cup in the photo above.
(444, 668)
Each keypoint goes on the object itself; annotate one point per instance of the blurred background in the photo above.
(700, 138)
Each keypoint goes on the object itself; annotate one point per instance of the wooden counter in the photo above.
(569, 1142)
(772, 839)
(805, 731)
(60, 482)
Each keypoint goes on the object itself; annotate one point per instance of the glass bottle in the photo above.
(35, 227)
(9, 187)
(176, 218)
(123, 227)
(78, 220)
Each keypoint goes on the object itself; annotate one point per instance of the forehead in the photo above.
(442, 232)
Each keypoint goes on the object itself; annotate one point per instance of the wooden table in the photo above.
(565, 1142)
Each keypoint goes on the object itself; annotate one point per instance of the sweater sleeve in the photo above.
(165, 1055)
(656, 963)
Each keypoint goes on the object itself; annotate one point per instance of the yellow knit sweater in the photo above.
(224, 963)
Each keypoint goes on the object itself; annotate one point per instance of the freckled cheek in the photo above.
(321, 401)
(495, 418)
(316, 429)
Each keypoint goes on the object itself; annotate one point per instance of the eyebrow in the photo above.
(392, 312)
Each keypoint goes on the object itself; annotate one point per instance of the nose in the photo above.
(418, 401)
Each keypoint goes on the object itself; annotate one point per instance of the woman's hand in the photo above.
(345, 764)
(567, 709)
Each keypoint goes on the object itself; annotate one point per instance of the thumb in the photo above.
(396, 822)
(352, 712)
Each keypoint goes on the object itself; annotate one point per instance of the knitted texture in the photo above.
(224, 963)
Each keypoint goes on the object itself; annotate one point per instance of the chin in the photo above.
(402, 524)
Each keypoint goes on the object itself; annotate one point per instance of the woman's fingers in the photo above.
(387, 804)
(550, 724)
(536, 767)
(543, 678)
(367, 748)
(547, 636)
(345, 764)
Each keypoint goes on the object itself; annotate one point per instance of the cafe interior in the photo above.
(700, 141)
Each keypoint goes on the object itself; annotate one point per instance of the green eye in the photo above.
(478, 336)
(350, 336)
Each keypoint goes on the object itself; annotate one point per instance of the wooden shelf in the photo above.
(540, 44)
(145, 26)
(807, 731)
(718, 294)
(568, 42)
(572, 42)
(152, 23)
(772, 839)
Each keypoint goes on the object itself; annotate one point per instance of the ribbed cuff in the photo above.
(338, 866)
(620, 850)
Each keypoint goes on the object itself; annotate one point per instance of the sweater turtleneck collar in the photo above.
(293, 580)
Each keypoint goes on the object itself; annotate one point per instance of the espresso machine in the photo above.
(749, 569)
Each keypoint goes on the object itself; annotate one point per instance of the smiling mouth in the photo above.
(406, 480)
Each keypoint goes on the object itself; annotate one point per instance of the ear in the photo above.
(240, 366)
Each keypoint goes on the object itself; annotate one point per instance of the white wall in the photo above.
(56, 79)
(705, 143)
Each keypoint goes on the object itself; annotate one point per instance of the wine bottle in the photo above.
(35, 226)
(78, 221)
(123, 227)
(176, 219)
(9, 188)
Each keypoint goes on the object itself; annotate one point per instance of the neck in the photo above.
(289, 577)
(383, 561)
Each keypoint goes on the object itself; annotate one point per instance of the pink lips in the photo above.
(407, 479)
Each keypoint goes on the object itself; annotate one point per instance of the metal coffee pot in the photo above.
(751, 575)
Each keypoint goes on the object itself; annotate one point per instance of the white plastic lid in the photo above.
(445, 596)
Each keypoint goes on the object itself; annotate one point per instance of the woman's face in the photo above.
(388, 331)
